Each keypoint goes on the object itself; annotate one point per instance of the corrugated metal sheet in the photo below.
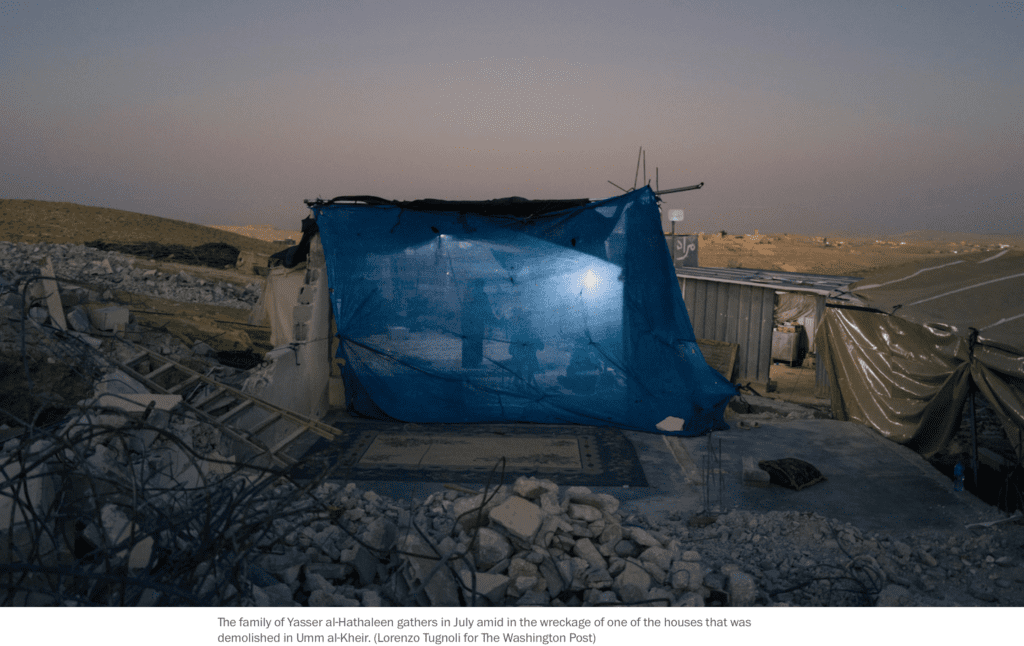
(733, 313)
(738, 306)
(834, 287)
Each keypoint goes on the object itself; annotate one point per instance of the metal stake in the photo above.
(974, 440)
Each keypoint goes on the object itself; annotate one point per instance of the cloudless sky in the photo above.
(802, 117)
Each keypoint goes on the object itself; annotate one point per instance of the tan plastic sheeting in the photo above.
(906, 370)
(277, 304)
(799, 308)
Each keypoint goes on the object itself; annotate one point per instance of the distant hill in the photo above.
(64, 222)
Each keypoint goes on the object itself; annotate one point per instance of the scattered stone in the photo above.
(742, 589)
(632, 583)
(491, 548)
(893, 595)
(586, 550)
(533, 488)
(519, 517)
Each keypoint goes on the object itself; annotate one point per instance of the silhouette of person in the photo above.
(524, 345)
(584, 370)
(476, 316)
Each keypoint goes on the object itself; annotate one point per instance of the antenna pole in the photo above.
(637, 175)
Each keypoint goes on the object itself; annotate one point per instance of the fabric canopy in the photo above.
(905, 365)
(571, 315)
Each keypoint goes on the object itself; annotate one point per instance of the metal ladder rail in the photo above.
(276, 413)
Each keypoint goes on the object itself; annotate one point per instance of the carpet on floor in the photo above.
(471, 453)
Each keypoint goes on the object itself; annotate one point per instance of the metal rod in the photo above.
(655, 179)
(637, 175)
(974, 440)
(617, 186)
(677, 190)
(645, 168)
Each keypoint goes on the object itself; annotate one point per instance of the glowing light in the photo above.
(590, 280)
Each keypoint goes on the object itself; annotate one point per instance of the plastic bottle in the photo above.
(958, 477)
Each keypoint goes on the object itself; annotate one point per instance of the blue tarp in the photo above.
(572, 316)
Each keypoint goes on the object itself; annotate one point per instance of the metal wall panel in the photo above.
(733, 313)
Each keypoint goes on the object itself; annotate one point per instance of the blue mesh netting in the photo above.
(573, 316)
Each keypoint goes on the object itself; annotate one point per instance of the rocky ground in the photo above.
(537, 544)
(116, 271)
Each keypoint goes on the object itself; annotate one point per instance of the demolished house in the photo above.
(557, 311)
(906, 363)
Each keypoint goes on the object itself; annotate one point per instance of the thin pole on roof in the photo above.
(617, 186)
(645, 168)
(655, 178)
(637, 175)
(677, 190)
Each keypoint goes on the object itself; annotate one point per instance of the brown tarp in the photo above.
(904, 364)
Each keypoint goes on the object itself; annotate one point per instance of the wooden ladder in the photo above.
(224, 403)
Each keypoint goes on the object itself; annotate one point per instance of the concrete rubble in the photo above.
(116, 271)
(527, 551)
(531, 543)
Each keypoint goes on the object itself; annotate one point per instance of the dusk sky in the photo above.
(802, 117)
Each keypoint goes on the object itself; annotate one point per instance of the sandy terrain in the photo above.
(264, 232)
(840, 256)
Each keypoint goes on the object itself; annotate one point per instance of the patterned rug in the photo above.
(470, 453)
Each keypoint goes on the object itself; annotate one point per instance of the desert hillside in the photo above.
(64, 222)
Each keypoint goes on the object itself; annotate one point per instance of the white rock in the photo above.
(491, 548)
(632, 583)
(585, 549)
(742, 589)
(687, 575)
(611, 535)
(689, 600)
(533, 488)
(642, 537)
(467, 510)
(519, 517)
(491, 586)
(659, 556)
(585, 513)
(670, 425)
(380, 534)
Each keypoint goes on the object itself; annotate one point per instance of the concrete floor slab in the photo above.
(872, 482)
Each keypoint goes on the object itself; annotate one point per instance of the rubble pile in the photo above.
(156, 499)
(129, 504)
(122, 503)
(108, 270)
(534, 544)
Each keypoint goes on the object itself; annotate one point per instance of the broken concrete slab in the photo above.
(53, 303)
(670, 425)
(491, 548)
(519, 517)
(632, 583)
(113, 318)
(78, 320)
(490, 586)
